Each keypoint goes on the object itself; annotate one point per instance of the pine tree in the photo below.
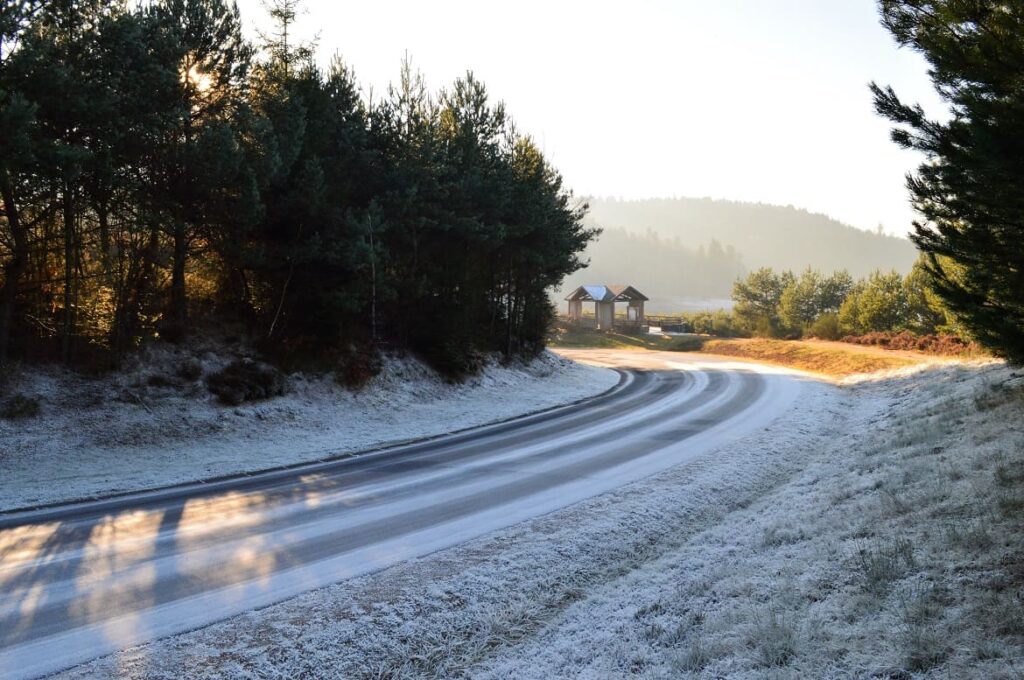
(882, 303)
(969, 189)
(17, 116)
(280, 44)
(833, 291)
(798, 303)
(758, 298)
(207, 65)
(925, 312)
(144, 163)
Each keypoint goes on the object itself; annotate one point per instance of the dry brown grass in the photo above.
(831, 359)
(834, 359)
(943, 345)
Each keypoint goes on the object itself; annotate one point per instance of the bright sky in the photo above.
(753, 100)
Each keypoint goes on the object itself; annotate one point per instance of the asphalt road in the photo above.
(80, 581)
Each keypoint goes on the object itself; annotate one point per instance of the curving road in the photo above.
(83, 580)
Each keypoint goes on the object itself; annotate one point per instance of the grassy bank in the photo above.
(828, 358)
(896, 553)
(581, 339)
(808, 355)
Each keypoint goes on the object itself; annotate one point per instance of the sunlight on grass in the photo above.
(599, 340)
(833, 359)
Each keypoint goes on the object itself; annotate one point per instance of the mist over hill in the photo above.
(686, 252)
(675, 277)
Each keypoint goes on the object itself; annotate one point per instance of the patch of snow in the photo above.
(131, 431)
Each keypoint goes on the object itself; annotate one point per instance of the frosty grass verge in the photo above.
(130, 432)
(875, 532)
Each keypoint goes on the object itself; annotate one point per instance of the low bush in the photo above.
(181, 375)
(825, 327)
(685, 343)
(357, 367)
(190, 370)
(246, 380)
(724, 325)
(159, 380)
(719, 323)
(19, 406)
(950, 345)
(453, 360)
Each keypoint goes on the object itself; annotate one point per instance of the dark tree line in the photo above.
(969, 189)
(157, 171)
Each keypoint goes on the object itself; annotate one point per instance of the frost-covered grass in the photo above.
(874, 532)
(438, 616)
(155, 423)
(897, 552)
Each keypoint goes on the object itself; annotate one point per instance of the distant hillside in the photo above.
(664, 246)
(783, 237)
(675, 277)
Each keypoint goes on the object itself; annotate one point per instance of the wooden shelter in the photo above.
(604, 299)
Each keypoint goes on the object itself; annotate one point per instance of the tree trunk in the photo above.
(138, 281)
(103, 217)
(509, 310)
(373, 288)
(68, 325)
(178, 315)
(14, 269)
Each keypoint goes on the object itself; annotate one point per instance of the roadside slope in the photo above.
(896, 552)
(129, 432)
(437, 615)
(823, 358)
(872, 532)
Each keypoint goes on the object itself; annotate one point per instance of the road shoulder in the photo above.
(441, 613)
(90, 442)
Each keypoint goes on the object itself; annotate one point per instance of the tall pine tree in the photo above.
(969, 189)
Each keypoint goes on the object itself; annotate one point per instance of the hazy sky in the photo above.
(754, 100)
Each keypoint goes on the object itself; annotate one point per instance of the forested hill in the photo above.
(781, 237)
(674, 276)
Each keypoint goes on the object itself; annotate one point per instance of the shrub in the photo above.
(246, 380)
(19, 406)
(719, 323)
(825, 327)
(190, 370)
(357, 366)
(698, 322)
(723, 325)
(158, 380)
(453, 360)
(686, 343)
(943, 344)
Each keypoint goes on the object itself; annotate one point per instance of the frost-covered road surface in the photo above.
(81, 581)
